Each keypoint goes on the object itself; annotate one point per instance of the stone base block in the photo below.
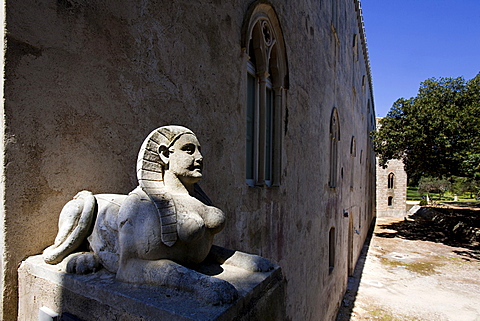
(98, 296)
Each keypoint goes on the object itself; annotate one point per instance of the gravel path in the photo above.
(400, 278)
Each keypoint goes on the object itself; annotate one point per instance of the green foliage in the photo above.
(465, 185)
(427, 185)
(436, 133)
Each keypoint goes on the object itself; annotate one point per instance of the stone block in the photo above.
(98, 296)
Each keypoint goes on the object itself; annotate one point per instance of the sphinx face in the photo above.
(186, 160)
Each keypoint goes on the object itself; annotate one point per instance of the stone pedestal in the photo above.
(98, 296)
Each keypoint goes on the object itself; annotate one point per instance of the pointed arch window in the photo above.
(353, 154)
(391, 180)
(334, 139)
(331, 249)
(266, 71)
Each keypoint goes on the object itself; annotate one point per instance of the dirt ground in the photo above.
(414, 271)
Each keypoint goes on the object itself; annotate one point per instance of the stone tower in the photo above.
(391, 188)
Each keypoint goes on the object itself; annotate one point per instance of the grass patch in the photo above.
(422, 268)
(463, 200)
(412, 194)
(384, 315)
(380, 314)
(455, 260)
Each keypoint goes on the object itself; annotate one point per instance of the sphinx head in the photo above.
(172, 149)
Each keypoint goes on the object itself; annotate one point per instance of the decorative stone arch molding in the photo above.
(267, 74)
(261, 23)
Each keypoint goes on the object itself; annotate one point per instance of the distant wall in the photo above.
(87, 80)
(392, 201)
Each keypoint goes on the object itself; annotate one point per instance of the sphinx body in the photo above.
(154, 234)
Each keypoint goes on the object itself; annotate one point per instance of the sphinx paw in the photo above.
(82, 263)
(259, 264)
(218, 292)
(250, 262)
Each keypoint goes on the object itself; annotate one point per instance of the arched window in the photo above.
(355, 47)
(391, 180)
(355, 59)
(353, 154)
(360, 218)
(390, 201)
(266, 71)
(334, 139)
(331, 249)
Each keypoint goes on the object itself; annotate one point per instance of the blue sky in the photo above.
(410, 41)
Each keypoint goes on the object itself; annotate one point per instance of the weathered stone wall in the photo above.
(2, 161)
(87, 80)
(398, 193)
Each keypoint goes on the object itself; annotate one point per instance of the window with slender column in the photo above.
(391, 180)
(266, 72)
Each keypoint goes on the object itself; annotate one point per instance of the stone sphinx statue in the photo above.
(158, 233)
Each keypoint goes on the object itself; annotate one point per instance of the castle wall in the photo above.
(86, 81)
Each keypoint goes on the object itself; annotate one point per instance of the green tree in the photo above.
(463, 185)
(436, 133)
(428, 185)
